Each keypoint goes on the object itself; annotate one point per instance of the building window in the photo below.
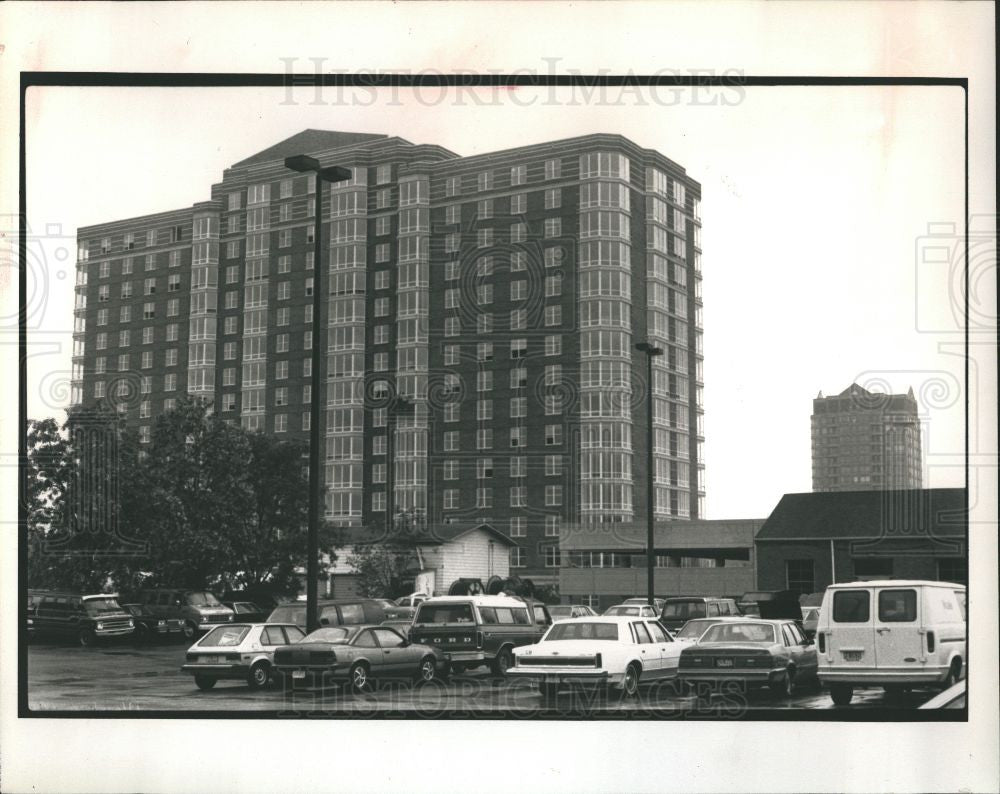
(170, 382)
(553, 345)
(518, 496)
(553, 198)
(553, 315)
(553, 495)
(148, 311)
(484, 294)
(450, 498)
(518, 437)
(553, 557)
(518, 261)
(484, 180)
(484, 351)
(553, 169)
(484, 380)
(518, 203)
(452, 327)
(551, 526)
(484, 238)
(451, 441)
(484, 410)
(518, 558)
(799, 576)
(553, 436)
(484, 209)
(518, 527)
(518, 232)
(518, 319)
(553, 465)
(553, 227)
(518, 410)
(484, 498)
(484, 324)
(518, 377)
(553, 286)
(484, 438)
(518, 175)
(518, 467)
(125, 315)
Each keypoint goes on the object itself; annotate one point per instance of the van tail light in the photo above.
(597, 661)
(479, 639)
(930, 642)
(821, 637)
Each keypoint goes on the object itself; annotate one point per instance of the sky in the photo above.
(829, 230)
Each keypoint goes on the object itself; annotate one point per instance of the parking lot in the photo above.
(124, 678)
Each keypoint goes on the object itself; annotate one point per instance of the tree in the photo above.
(384, 569)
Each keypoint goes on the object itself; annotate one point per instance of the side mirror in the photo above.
(405, 644)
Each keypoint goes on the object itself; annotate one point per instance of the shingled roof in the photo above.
(308, 142)
(926, 512)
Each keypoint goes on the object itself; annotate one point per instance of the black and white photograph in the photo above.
(639, 414)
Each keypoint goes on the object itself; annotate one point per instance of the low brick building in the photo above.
(812, 540)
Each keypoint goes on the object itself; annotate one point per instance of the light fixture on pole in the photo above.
(306, 164)
(651, 352)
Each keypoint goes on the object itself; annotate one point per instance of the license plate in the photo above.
(298, 673)
(723, 662)
(852, 656)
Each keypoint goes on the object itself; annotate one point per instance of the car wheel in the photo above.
(189, 629)
(954, 673)
(204, 682)
(427, 671)
(86, 638)
(360, 681)
(260, 674)
(630, 683)
(841, 694)
(784, 686)
(503, 662)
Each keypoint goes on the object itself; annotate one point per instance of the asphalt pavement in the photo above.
(125, 678)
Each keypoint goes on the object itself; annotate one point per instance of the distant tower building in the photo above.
(864, 441)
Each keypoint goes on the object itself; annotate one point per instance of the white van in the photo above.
(894, 634)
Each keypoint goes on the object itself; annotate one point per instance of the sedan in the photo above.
(357, 656)
(604, 651)
(632, 610)
(772, 653)
(241, 651)
(150, 626)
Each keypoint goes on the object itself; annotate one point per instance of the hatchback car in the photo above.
(356, 656)
(772, 653)
(240, 651)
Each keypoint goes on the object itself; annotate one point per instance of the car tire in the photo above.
(630, 683)
(502, 663)
(190, 630)
(359, 681)
(427, 672)
(954, 673)
(784, 687)
(841, 694)
(204, 682)
(259, 675)
(86, 638)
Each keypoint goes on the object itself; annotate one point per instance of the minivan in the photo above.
(83, 618)
(199, 609)
(891, 633)
(678, 610)
(332, 612)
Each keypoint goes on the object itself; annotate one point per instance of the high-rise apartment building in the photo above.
(502, 293)
(865, 441)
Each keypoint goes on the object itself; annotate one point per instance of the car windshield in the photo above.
(202, 599)
(739, 632)
(684, 610)
(224, 635)
(582, 631)
(291, 613)
(329, 634)
(622, 611)
(444, 613)
(693, 629)
(98, 606)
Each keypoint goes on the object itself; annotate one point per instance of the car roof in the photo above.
(478, 600)
(897, 583)
(618, 619)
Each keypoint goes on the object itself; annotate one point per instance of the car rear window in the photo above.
(444, 613)
(224, 635)
(851, 606)
(582, 631)
(897, 606)
(684, 610)
(353, 613)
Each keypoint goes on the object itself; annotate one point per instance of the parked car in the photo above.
(657, 602)
(332, 612)
(34, 596)
(563, 611)
(86, 619)
(149, 626)
(247, 611)
(678, 610)
(412, 600)
(241, 651)
(402, 625)
(357, 656)
(772, 653)
(607, 650)
(199, 609)
(631, 611)
(891, 633)
(262, 595)
(475, 630)
(691, 631)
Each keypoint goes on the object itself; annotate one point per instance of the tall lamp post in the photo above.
(305, 164)
(651, 352)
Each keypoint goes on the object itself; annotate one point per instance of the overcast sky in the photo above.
(816, 205)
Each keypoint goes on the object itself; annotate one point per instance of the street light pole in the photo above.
(306, 164)
(651, 352)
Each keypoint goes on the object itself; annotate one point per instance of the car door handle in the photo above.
(882, 631)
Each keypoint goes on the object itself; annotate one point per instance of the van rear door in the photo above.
(850, 635)
(898, 634)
